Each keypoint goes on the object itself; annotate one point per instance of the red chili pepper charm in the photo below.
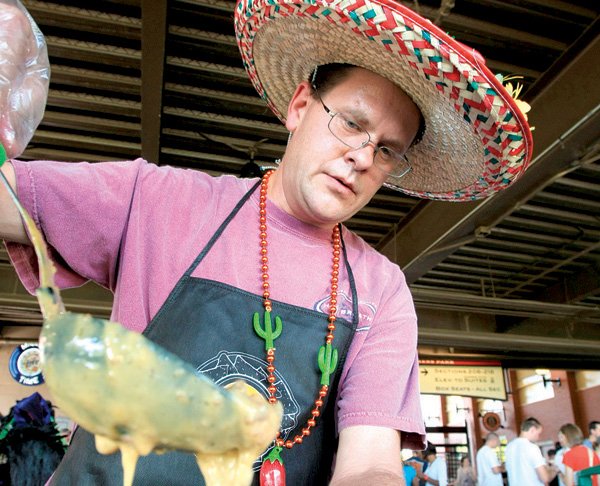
(272, 471)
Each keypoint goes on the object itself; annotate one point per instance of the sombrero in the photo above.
(476, 140)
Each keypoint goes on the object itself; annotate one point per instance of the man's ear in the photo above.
(298, 106)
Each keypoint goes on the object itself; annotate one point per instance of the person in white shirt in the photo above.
(525, 463)
(489, 469)
(436, 474)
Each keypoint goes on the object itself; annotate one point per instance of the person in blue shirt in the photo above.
(594, 433)
(410, 475)
(419, 464)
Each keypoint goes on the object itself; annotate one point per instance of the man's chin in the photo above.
(329, 219)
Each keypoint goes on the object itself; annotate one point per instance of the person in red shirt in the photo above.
(579, 456)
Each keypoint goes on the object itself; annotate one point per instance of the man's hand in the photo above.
(546, 473)
(24, 77)
(11, 224)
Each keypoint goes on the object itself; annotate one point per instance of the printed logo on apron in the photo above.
(229, 366)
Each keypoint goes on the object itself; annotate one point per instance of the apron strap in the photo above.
(220, 230)
(352, 283)
(232, 214)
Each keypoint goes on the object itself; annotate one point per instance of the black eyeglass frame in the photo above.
(401, 157)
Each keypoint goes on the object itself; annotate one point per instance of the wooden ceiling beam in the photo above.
(566, 122)
(154, 32)
(88, 19)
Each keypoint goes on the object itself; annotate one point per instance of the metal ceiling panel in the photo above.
(165, 80)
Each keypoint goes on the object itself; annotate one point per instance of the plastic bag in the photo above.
(24, 77)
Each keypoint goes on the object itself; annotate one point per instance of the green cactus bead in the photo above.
(267, 332)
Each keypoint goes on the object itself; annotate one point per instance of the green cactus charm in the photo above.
(267, 332)
(3, 156)
(328, 357)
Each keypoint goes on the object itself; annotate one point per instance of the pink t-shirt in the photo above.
(162, 217)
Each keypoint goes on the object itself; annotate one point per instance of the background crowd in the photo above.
(524, 463)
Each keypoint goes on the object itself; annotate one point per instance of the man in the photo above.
(437, 473)
(489, 469)
(410, 475)
(419, 464)
(593, 433)
(525, 463)
(177, 269)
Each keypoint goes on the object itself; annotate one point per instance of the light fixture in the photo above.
(546, 377)
(550, 380)
(251, 168)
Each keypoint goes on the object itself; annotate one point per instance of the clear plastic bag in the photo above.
(24, 77)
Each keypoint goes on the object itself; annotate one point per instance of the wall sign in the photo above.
(480, 379)
(24, 365)
(491, 421)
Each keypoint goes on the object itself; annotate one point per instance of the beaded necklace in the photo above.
(328, 355)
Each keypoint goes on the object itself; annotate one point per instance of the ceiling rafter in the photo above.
(154, 31)
(214, 94)
(60, 119)
(69, 47)
(557, 148)
(207, 67)
(225, 119)
(527, 241)
(95, 20)
(94, 79)
(501, 306)
(202, 35)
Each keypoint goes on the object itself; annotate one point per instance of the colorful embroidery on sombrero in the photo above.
(454, 76)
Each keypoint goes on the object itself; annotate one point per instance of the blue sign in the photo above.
(25, 366)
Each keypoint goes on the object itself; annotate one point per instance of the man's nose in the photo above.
(362, 157)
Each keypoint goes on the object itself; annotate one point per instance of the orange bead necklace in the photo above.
(327, 353)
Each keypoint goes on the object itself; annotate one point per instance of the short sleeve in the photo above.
(536, 457)
(82, 211)
(381, 387)
(492, 458)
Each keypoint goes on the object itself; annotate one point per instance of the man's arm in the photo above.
(368, 455)
(545, 473)
(24, 74)
(11, 225)
(498, 469)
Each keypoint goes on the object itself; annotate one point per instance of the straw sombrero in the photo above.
(476, 141)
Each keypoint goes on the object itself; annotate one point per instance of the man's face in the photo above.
(596, 432)
(535, 433)
(494, 442)
(322, 181)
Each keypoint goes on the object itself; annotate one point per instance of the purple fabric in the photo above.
(84, 212)
(32, 411)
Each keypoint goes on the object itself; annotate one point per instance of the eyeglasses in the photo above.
(351, 134)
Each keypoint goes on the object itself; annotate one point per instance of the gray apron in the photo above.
(209, 325)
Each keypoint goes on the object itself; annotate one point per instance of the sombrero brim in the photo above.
(476, 141)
